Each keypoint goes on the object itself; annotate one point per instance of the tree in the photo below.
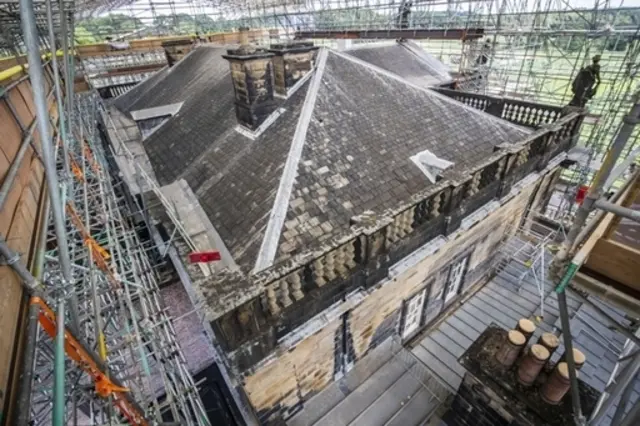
(115, 25)
(83, 36)
(180, 23)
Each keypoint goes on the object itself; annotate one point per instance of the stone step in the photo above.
(364, 395)
(389, 403)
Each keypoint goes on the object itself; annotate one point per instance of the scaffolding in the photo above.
(101, 347)
(118, 303)
(116, 68)
(533, 48)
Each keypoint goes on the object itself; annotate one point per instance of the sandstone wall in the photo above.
(296, 375)
(370, 318)
(20, 218)
(278, 387)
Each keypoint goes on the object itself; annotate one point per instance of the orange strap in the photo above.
(89, 156)
(77, 171)
(103, 385)
(100, 255)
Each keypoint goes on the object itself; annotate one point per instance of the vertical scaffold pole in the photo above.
(36, 76)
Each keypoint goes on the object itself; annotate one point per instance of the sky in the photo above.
(142, 8)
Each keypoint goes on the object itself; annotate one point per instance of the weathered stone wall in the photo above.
(176, 50)
(279, 386)
(386, 300)
(253, 87)
(289, 68)
(278, 75)
(252, 80)
(295, 376)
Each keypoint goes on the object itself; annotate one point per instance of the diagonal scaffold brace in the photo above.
(571, 265)
(105, 385)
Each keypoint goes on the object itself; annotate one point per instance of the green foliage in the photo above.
(83, 36)
(341, 19)
(114, 25)
(180, 23)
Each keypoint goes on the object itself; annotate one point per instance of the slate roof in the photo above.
(365, 127)
(405, 59)
(125, 101)
(185, 81)
(363, 124)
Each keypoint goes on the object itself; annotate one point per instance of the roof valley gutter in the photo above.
(278, 214)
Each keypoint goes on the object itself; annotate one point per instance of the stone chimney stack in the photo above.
(501, 389)
(252, 76)
(292, 61)
(175, 50)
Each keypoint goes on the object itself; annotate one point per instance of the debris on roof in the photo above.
(430, 164)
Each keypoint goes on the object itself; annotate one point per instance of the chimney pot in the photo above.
(557, 385)
(293, 60)
(551, 342)
(244, 36)
(578, 358)
(511, 348)
(532, 364)
(527, 328)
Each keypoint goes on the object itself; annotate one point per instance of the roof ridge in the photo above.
(426, 90)
(372, 45)
(416, 50)
(278, 213)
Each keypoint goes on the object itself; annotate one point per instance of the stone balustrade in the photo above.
(306, 285)
(524, 113)
(491, 179)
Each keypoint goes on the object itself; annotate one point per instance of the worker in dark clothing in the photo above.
(586, 83)
(404, 11)
(484, 53)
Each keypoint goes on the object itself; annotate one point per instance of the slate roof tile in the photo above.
(364, 127)
(368, 125)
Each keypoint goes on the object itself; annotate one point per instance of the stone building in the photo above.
(352, 197)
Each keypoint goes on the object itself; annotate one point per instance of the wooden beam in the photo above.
(627, 201)
(603, 227)
(606, 291)
(416, 34)
(616, 261)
